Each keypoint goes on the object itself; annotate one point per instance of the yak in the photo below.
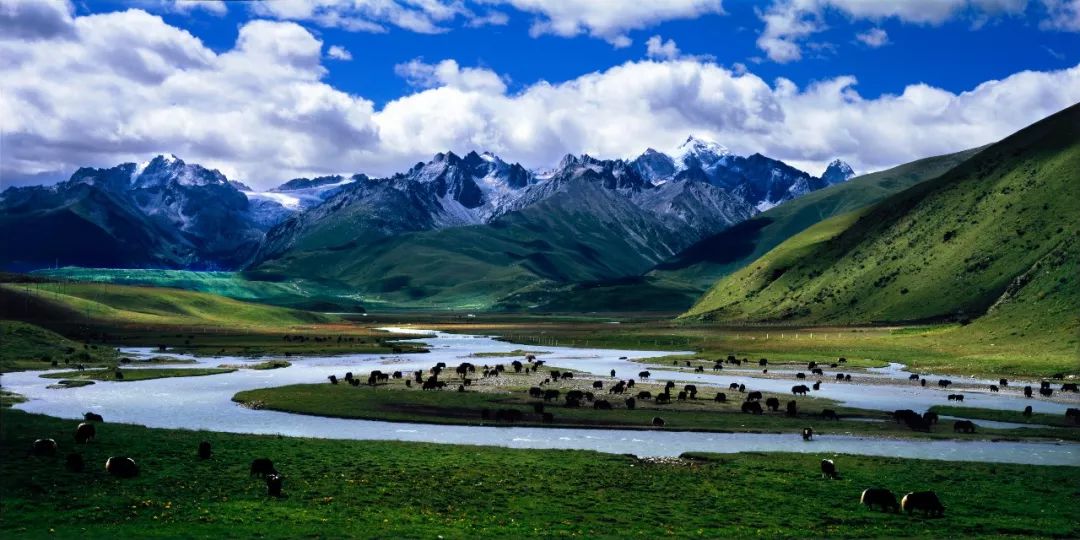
(44, 448)
(751, 407)
(881, 497)
(772, 404)
(807, 434)
(92, 417)
(963, 426)
(828, 469)
(262, 467)
(122, 467)
(720, 397)
(85, 433)
(657, 421)
(926, 501)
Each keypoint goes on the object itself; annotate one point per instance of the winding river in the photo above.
(205, 403)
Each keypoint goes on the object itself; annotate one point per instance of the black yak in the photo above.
(829, 414)
(204, 450)
(122, 467)
(828, 469)
(602, 405)
(631, 403)
(44, 448)
(926, 501)
(92, 417)
(800, 389)
(720, 397)
(807, 434)
(753, 396)
(772, 404)
(963, 426)
(881, 497)
(751, 407)
(657, 421)
(85, 433)
(262, 467)
(273, 485)
(791, 408)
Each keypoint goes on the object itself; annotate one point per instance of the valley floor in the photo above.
(389, 489)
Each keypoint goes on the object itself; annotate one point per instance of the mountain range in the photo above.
(476, 217)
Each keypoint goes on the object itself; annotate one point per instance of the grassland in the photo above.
(292, 293)
(101, 317)
(392, 489)
(395, 403)
(1007, 416)
(142, 374)
(1000, 229)
(945, 348)
(26, 346)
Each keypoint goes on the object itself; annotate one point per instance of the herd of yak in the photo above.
(125, 467)
(751, 404)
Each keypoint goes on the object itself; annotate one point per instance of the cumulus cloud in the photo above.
(35, 19)
(422, 16)
(873, 38)
(789, 22)
(1062, 15)
(337, 52)
(607, 19)
(215, 7)
(656, 47)
(262, 113)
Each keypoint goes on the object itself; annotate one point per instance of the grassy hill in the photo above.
(675, 284)
(72, 302)
(997, 233)
(26, 346)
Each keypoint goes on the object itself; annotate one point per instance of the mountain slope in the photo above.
(725, 252)
(947, 248)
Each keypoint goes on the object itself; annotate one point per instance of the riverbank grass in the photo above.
(394, 489)
(129, 375)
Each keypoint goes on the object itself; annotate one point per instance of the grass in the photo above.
(271, 364)
(520, 353)
(393, 402)
(146, 305)
(393, 489)
(69, 383)
(998, 233)
(1006, 416)
(26, 346)
(142, 374)
(293, 293)
(949, 348)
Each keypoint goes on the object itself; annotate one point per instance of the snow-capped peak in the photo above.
(695, 146)
(837, 171)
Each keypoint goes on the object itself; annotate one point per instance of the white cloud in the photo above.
(123, 86)
(215, 7)
(422, 16)
(656, 47)
(35, 19)
(337, 52)
(1062, 15)
(789, 22)
(607, 19)
(873, 38)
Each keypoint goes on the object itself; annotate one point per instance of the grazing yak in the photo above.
(691, 391)
(551, 394)
(772, 404)
(273, 485)
(817, 386)
(644, 394)
(847, 377)
(1003, 382)
(1071, 413)
(817, 371)
(1046, 392)
(699, 369)
(681, 396)
(963, 426)
(840, 376)
(204, 450)
(333, 379)
(617, 388)
(753, 396)
(733, 386)
(630, 403)
(828, 469)
(644, 375)
(800, 375)
(925, 501)
(602, 405)
(92, 417)
(718, 367)
(994, 388)
(598, 385)
(575, 394)
(930, 417)
(807, 434)
(751, 407)
(956, 397)
(572, 403)
(1044, 385)
(262, 467)
(881, 497)
(122, 467)
(912, 377)
(800, 389)
(658, 422)
(829, 414)
(1069, 387)
(85, 433)
(75, 463)
(668, 386)
(763, 362)
(720, 397)
(1027, 411)
(44, 448)
(791, 409)
(1027, 391)
(536, 392)
(663, 399)
(944, 383)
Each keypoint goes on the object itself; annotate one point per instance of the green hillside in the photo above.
(563, 239)
(71, 302)
(998, 229)
(721, 254)
(293, 293)
(678, 282)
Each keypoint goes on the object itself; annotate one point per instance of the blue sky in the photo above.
(374, 85)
